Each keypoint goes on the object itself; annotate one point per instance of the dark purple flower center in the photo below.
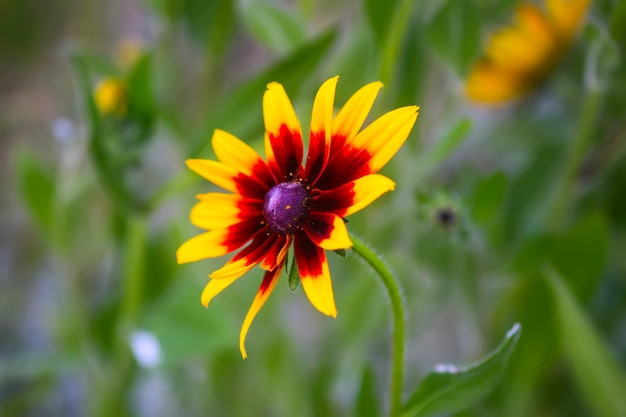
(286, 206)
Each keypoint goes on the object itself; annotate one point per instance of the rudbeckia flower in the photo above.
(286, 200)
(519, 57)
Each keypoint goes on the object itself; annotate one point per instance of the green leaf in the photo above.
(141, 107)
(36, 188)
(580, 254)
(273, 26)
(140, 96)
(210, 22)
(597, 373)
(366, 404)
(294, 276)
(241, 112)
(410, 69)
(488, 198)
(455, 33)
(450, 389)
(380, 14)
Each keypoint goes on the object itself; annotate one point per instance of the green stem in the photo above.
(576, 153)
(397, 307)
(113, 399)
(618, 23)
(133, 270)
(394, 40)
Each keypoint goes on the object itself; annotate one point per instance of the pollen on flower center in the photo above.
(286, 206)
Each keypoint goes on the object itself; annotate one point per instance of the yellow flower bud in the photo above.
(110, 96)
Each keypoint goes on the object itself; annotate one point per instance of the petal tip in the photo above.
(273, 85)
(180, 259)
(330, 311)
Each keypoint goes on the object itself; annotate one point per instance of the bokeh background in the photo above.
(502, 214)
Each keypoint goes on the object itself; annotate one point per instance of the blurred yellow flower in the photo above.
(518, 57)
(110, 96)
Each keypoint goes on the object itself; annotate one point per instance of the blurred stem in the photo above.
(115, 392)
(618, 22)
(133, 270)
(394, 40)
(397, 307)
(575, 155)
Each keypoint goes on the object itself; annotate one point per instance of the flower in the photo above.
(110, 96)
(518, 57)
(279, 202)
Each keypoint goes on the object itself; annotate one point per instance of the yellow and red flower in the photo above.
(286, 200)
(519, 57)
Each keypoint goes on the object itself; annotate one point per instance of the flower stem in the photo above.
(114, 392)
(576, 153)
(133, 269)
(397, 306)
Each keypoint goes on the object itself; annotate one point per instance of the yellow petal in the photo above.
(219, 174)
(353, 196)
(207, 245)
(328, 231)
(353, 114)
(323, 106)
(235, 153)
(489, 84)
(267, 286)
(214, 287)
(278, 111)
(315, 275)
(567, 15)
(321, 121)
(508, 49)
(276, 255)
(367, 189)
(386, 135)
(216, 211)
(233, 269)
(283, 133)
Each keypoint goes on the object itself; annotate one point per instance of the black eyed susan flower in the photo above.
(518, 58)
(286, 200)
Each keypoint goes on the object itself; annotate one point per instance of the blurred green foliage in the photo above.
(534, 230)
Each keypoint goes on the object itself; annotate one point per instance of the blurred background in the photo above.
(506, 212)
